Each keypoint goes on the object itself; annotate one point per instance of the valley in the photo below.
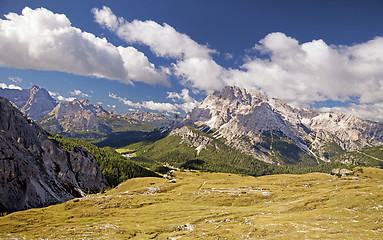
(238, 166)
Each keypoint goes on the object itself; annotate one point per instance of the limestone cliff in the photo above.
(34, 171)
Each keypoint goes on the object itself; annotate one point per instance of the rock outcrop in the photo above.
(74, 116)
(252, 123)
(35, 102)
(147, 116)
(34, 171)
(191, 138)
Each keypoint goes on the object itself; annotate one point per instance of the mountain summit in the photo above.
(35, 102)
(275, 132)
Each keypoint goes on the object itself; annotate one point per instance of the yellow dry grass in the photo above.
(200, 205)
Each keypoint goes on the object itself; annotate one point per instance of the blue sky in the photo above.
(167, 55)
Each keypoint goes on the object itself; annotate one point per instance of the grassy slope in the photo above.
(115, 167)
(218, 157)
(216, 205)
(372, 156)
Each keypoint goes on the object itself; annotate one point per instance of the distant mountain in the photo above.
(35, 102)
(147, 116)
(74, 116)
(275, 132)
(83, 120)
(34, 171)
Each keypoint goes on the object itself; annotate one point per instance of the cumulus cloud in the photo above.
(313, 71)
(193, 61)
(373, 112)
(42, 40)
(10, 86)
(77, 92)
(151, 105)
(189, 103)
(61, 98)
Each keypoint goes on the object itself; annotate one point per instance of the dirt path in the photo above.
(378, 159)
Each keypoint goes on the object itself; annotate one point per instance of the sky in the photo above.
(166, 56)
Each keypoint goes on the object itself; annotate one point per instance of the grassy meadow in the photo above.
(202, 205)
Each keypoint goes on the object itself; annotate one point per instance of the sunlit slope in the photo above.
(210, 205)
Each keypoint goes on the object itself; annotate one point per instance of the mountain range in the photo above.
(35, 102)
(267, 129)
(275, 132)
(80, 118)
(234, 130)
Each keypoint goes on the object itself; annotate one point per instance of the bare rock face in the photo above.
(34, 171)
(74, 116)
(251, 122)
(191, 138)
(147, 116)
(34, 102)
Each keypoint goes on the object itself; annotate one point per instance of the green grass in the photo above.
(113, 165)
(372, 156)
(218, 157)
(120, 124)
(198, 205)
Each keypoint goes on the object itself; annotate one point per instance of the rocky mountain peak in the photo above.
(77, 115)
(251, 122)
(34, 171)
(34, 102)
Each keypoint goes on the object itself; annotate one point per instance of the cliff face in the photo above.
(254, 124)
(34, 171)
(74, 116)
(34, 102)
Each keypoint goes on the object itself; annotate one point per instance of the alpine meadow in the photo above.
(191, 119)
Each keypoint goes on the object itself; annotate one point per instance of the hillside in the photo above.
(372, 156)
(216, 206)
(275, 132)
(35, 171)
(115, 167)
(190, 148)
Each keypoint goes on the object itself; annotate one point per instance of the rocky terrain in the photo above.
(202, 205)
(192, 138)
(147, 116)
(34, 171)
(74, 116)
(268, 128)
(35, 102)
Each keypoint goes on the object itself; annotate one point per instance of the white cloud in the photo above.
(194, 63)
(15, 79)
(298, 73)
(61, 98)
(188, 104)
(314, 71)
(10, 86)
(151, 105)
(77, 92)
(373, 112)
(42, 40)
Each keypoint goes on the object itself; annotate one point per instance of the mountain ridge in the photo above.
(34, 171)
(35, 102)
(246, 119)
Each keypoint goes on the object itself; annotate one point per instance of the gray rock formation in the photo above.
(147, 116)
(250, 122)
(34, 171)
(191, 138)
(74, 116)
(34, 102)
